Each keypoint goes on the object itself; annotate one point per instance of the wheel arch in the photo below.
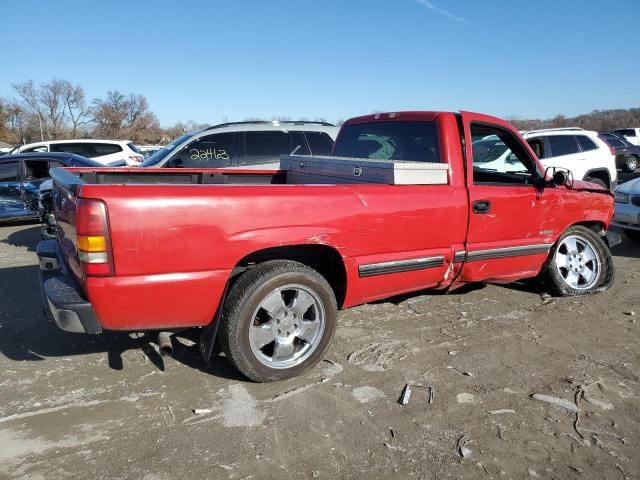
(595, 226)
(325, 259)
(601, 173)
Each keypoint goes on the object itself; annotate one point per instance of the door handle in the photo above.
(481, 206)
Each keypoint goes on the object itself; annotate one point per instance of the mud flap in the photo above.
(611, 239)
(209, 333)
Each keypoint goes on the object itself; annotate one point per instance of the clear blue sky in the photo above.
(213, 60)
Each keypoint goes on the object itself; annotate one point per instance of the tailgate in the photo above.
(65, 190)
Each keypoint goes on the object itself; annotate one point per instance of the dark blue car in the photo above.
(21, 177)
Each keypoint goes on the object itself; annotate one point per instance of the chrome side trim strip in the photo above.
(460, 256)
(508, 252)
(400, 266)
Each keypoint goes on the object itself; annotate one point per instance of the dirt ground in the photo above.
(75, 406)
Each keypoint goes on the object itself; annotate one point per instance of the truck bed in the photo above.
(72, 178)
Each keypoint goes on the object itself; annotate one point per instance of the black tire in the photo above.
(630, 163)
(552, 277)
(244, 299)
(632, 234)
(597, 181)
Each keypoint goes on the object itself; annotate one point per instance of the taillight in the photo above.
(92, 238)
(136, 158)
(611, 149)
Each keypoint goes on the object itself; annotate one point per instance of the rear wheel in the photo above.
(630, 163)
(278, 320)
(598, 181)
(580, 264)
(632, 234)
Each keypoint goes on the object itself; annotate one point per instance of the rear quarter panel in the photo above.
(175, 246)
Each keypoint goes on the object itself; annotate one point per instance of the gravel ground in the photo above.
(75, 406)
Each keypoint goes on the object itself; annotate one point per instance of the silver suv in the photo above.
(246, 145)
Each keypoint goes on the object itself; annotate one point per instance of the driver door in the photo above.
(507, 236)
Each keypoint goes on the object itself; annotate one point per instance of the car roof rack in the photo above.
(562, 129)
(275, 123)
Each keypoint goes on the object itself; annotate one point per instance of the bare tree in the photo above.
(52, 104)
(29, 94)
(140, 121)
(110, 114)
(76, 105)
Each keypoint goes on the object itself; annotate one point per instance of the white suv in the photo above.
(580, 151)
(108, 152)
(245, 145)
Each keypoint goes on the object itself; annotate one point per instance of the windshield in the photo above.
(161, 154)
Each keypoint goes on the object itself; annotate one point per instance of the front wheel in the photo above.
(278, 320)
(580, 264)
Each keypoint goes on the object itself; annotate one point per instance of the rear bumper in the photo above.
(62, 297)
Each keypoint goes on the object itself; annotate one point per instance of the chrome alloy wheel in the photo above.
(287, 326)
(577, 262)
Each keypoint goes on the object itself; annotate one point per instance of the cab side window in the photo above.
(36, 170)
(510, 164)
(212, 151)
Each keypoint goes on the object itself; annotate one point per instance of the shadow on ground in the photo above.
(24, 238)
(27, 335)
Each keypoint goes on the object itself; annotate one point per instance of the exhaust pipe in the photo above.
(164, 342)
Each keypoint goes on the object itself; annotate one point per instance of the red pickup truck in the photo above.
(264, 262)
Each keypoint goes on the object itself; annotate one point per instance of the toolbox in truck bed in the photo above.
(314, 170)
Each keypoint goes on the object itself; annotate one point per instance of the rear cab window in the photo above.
(392, 140)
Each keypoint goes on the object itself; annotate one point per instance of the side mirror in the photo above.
(558, 176)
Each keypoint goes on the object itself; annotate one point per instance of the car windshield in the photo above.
(161, 154)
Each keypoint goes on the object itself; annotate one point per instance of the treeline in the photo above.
(598, 120)
(59, 110)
